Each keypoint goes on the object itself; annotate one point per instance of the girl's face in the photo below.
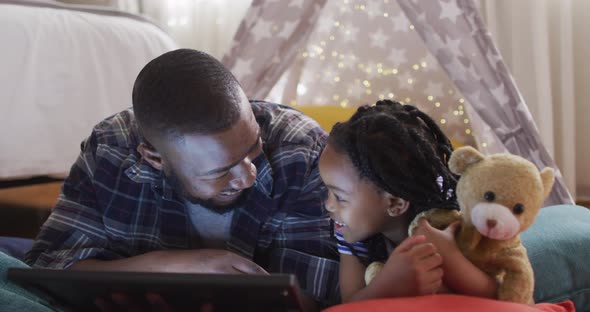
(358, 208)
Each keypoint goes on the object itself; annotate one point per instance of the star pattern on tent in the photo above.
(500, 95)
(454, 45)
(397, 57)
(350, 33)
(401, 23)
(296, 3)
(287, 30)
(326, 23)
(434, 88)
(456, 69)
(493, 58)
(450, 10)
(403, 81)
(355, 89)
(378, 39)
(242, 68)
(474, 75)
(371, 70)
(374, 9)
(262, 29)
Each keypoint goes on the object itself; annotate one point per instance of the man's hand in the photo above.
(177, 261)
(415, 266)
(206, 261)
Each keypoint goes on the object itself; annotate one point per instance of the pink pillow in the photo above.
(446, 302)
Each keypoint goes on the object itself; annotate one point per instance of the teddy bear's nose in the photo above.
(491, 223)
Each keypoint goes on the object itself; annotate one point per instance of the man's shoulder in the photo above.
(118, 130)
(284, 125)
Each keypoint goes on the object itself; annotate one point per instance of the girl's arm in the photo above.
(412, 269)
(352, 277)
(460, 274)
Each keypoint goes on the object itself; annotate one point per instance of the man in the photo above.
(195, 178)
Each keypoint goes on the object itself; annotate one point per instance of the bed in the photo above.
(64, 68)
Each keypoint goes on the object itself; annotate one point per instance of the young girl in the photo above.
(382, 167)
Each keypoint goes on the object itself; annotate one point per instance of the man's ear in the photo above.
(149, 154)
(396, 206)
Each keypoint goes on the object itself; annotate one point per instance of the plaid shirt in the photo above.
(114, 205)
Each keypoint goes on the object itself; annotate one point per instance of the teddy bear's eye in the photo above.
(489, 196)
(518, 209)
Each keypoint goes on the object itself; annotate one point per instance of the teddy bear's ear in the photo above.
(463, 157)
(548, 177)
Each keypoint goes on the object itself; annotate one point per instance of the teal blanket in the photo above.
(14, 297)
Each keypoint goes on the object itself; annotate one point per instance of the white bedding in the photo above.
(62, 71)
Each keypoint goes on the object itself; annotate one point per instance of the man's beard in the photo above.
(208, 204)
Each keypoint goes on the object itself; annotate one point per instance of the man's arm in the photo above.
(176, 261)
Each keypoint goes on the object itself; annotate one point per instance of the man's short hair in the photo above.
(185, 92)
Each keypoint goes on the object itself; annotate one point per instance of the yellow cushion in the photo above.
(328, 116)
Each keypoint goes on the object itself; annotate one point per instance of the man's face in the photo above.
(215, 170)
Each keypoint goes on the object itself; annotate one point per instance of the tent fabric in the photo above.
(437, 55)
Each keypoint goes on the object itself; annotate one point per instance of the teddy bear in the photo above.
(499, 197)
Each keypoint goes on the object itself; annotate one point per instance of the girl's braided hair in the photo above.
(402, 151)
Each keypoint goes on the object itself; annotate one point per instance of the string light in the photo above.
(360, 76)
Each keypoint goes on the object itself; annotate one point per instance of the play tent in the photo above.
(437, 55)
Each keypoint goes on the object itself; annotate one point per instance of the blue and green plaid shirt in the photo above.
(114, 205)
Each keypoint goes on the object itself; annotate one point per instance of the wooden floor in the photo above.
(24, 209)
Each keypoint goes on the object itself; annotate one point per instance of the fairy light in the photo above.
(437, 104)
(390, 95)
(443, 121)
(366, 83)
(466, 121)
(416, 66)
(407, 100)
(430, 98)
(468, 131)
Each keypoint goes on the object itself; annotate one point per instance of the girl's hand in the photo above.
(415, 267)
(443, 240)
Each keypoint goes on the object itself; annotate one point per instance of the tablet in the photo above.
(76, 289)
